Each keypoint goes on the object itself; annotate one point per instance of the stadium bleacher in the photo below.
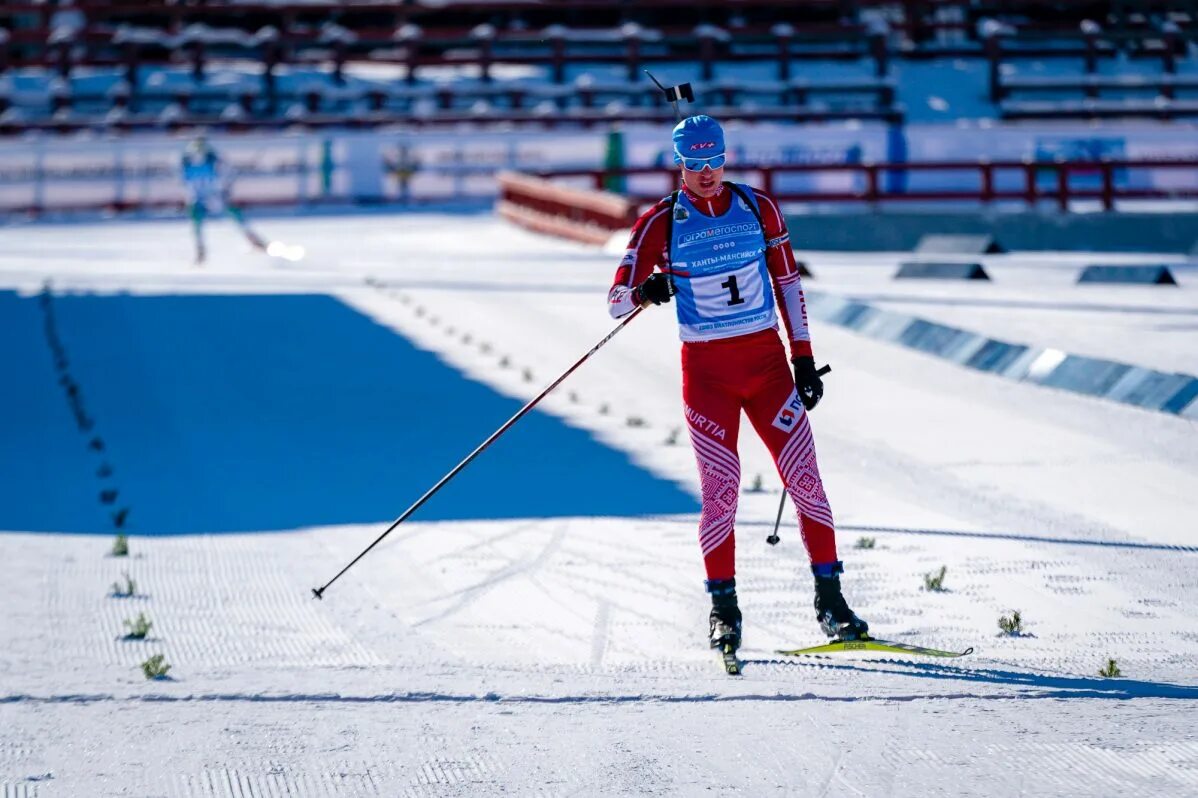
(933, 101)
(115, 63)
(1093, 91)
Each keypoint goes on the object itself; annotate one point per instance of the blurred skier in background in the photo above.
(724, 253)
(208, 192)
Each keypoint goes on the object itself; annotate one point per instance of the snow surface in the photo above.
(1033, 298)
(563, 654)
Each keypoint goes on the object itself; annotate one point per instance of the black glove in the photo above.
(808, 382)
(656, 289)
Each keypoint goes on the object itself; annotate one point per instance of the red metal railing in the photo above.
(1061, 186)
(1036, 182)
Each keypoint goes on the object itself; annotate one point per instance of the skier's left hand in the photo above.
(808, 382)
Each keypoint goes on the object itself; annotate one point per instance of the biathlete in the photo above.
(723, 252)
(207, 192)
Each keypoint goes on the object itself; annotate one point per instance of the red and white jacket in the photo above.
(649, 249)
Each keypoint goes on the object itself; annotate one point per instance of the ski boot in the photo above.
(725, 615)
(831, 610)
(724, 631)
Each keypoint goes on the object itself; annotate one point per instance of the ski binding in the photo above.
(729, 660)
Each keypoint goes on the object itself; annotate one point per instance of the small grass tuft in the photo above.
(672, 438)
(504, 362)
(126, 590)
(155, 667)
(1110, 670)
(573, 397)
(635, 421)
(935, 582)
(604, 409)
(528, 375)
(1011, 625)
(139, 627)
(865, 543)
(120, 546)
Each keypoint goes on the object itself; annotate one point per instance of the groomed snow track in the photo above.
(563, 654)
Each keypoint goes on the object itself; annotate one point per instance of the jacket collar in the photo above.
(712, 206)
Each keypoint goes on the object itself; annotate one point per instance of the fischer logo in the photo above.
(704, 424)
(789, 414)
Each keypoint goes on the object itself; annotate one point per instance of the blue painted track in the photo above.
(240, 413)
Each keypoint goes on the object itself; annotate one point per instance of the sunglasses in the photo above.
(697, 164)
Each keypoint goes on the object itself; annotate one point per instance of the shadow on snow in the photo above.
(1027, 685)
(189, 414)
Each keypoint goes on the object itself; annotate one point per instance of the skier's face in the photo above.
(704, 183)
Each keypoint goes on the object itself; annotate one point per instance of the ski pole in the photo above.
(773, 539)
(319, 591)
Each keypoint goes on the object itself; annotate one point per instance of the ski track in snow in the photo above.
(565, 656)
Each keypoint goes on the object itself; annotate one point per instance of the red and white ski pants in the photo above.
(719, 378)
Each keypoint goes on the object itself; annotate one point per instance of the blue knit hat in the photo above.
(698, 137)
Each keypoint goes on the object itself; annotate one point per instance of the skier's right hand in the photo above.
(657, 289)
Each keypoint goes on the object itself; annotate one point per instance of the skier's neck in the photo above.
(711, 205)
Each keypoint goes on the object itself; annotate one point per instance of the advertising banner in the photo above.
(1048, 143)
(300, 168)
(438, 166)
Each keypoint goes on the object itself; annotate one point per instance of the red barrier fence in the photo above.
(881, 182)
(554, 209)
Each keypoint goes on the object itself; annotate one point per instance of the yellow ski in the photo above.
(872, 644)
